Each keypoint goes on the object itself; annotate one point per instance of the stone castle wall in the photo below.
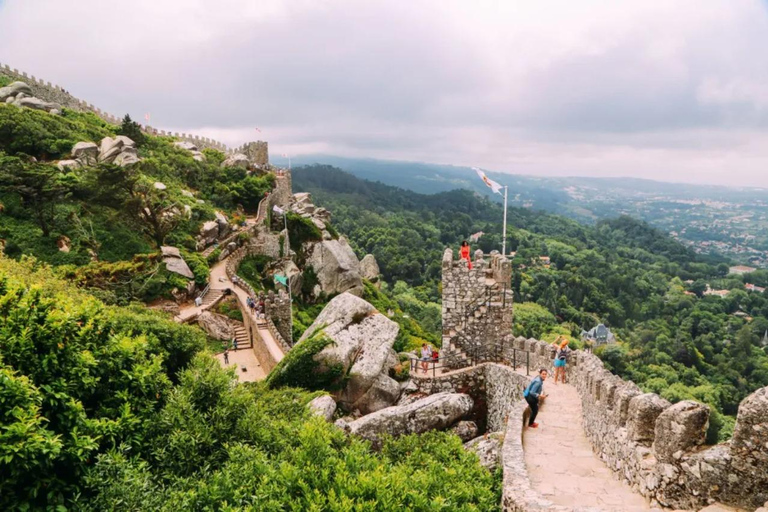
(659, 448)
(57, 94)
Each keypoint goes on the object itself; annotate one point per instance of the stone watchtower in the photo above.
(477, 308)
(257, 153)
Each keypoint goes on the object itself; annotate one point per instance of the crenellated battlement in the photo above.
(57, 94)
(658, 447)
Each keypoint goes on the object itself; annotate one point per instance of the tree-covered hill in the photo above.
(641, 283)
(111, 218)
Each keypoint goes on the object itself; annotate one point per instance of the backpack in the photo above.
(562, 354)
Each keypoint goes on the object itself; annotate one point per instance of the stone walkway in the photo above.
(244, 359)
(560, 461)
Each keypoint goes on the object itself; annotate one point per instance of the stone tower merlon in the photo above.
(257, 153)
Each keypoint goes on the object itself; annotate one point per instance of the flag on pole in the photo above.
(488, 181)
(476, 236)
(281, 280)
(146, 116)
(257, 129)
(277, 209)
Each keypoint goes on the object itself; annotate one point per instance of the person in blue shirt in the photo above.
(533, 393)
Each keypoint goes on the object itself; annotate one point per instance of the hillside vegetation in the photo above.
(106, 408)
(621, 272)
(113, 217)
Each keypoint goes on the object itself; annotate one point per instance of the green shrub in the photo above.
(298, 368)
(198, 265)
(301, 230)
(253, 269)
(213, 258)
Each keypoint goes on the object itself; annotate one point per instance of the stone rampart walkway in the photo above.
(560, 461)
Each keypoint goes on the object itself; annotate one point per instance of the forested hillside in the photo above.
(102, 222)
(642, 284)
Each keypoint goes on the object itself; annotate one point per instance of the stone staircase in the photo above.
(241, 335)
(212, 296)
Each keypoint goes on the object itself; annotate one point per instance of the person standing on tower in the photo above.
(464, 254)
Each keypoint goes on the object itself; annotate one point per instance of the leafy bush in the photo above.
(301, 230)
(253, 269)
(298, 368)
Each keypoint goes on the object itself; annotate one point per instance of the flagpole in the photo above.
(504, 229)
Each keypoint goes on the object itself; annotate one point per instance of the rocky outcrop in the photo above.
(175, 263)
(336, 267)
(466, 430)
(196, 154)
(362, 344)
(236, 160)
(487, 448)
(21, 95)
(369, 268)
(438, 411)
(119, 151)
(87, 153)
(323, 406)
(217, 326)
(213, 230)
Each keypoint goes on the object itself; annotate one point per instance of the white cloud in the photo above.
(663, 90)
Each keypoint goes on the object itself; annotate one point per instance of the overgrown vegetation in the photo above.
(105, 408)
(299, 369)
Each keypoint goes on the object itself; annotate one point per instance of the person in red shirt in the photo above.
(464, 253)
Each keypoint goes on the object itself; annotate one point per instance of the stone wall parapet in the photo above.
(658, 447)
(47, 91)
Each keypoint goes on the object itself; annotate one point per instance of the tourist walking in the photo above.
(234, 343)
(226, 356)
(533, 394)
(464, 254)
(561, 360)
(426, 356)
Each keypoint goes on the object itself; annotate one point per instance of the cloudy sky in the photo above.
(673, 91)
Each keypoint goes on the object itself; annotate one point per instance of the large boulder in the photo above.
(121, 151)
(336, 267)
(323, 406)
(68, 165)
(37, 104)
(196, 154)
(362, 345)
(13, 89)
(487, 448)
(223, 223)
(236, 160)
(438, 411)
(175, 263)
(87, 153)
(209, 232)
(217, 326)
(369, 268)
